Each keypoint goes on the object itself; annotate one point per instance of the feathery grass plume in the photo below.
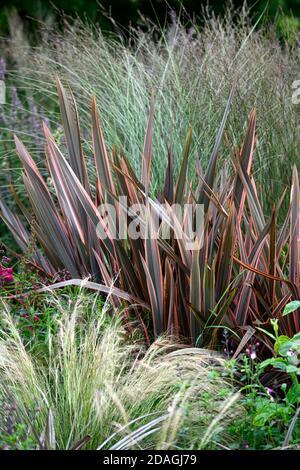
(92, 385)
(191, 69)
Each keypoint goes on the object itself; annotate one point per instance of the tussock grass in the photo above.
(96, 383)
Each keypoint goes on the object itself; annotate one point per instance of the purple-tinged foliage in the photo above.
(244, 273)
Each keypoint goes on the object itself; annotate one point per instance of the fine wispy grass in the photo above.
(191, 70)
(88, 380)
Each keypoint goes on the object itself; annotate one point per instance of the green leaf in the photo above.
(271, 362)
(292, 344)
(266, 333)
(280, 363)
(286, 368)
(290, 369)
(274, 323)
(279, 343)
(291, 307)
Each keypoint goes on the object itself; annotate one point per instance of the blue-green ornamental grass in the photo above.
(190, 70)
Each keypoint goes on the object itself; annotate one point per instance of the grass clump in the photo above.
(92, 382)
(191, 69)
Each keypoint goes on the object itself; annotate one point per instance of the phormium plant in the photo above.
(243, 272)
